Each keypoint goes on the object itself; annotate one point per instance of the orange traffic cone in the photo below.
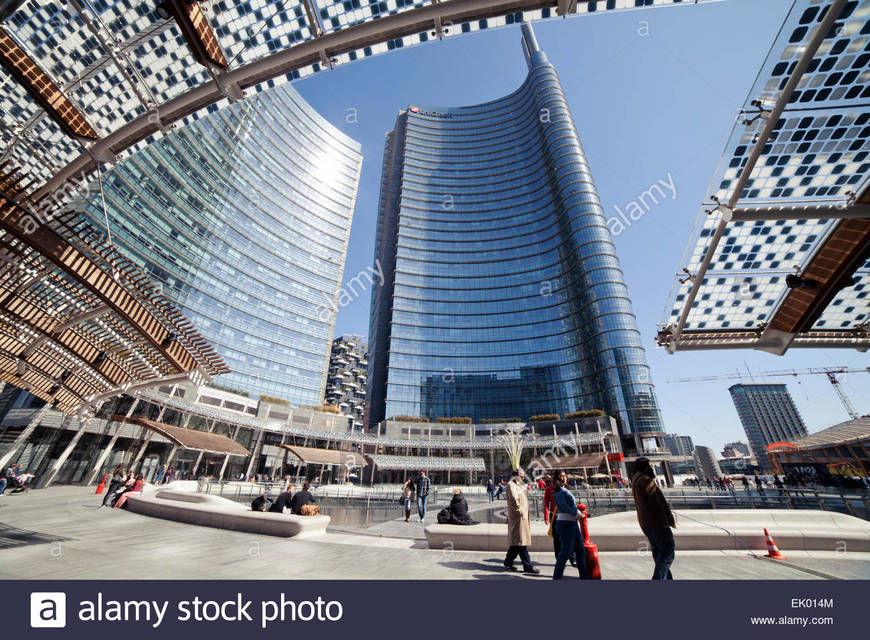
(102, 484)
(772, 552)
(593, 567)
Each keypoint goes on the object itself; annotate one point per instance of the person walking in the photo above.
(408, 497)
(423, 486)
(114, 484)
(759, 485)
(519, 526)
(490, 489)
(568, 527)
(655, 518)
(500, 490)
(549, 504)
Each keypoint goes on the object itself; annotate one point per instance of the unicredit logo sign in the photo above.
(434, 114)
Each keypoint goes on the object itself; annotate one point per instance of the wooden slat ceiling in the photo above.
(43, 90)
(190, 438)
(76, 318)
(326, 456)
(197, 32)
(842, 253)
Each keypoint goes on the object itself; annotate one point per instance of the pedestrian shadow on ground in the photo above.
(494, 571)
(11, 537)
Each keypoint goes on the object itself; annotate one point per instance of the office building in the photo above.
(679, 445)
(243, 218)
(346, 380)
(503, 296)
(706, 466)
(736, 450)
(769, 415)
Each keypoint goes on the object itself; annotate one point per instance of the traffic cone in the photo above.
(593, 566)
(772, 552)
(102, 485)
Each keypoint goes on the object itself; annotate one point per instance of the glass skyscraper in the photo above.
(503, 296)
(769, 415)
(243, 217)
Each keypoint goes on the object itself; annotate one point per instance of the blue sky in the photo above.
(654, 94)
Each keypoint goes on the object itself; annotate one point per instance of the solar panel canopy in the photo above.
(803, 201)
(121, 61)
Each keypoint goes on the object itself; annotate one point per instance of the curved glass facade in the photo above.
(244, 217)
(503, 297)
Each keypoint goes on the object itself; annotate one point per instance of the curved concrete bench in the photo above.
(697, 530)
(213, 511)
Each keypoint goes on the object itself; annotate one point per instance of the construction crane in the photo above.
(830, 372)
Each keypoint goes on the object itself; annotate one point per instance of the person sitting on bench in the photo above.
(457, 511)
(136, 488)
(301, 499)
(259, 503)
(284, 500)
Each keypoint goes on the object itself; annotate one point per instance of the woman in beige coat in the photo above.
(519, 525)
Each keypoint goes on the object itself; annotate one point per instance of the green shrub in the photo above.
(500, 420)
(589, 413)
(546, 417)
(273, 400)
(408, 419)
(464, 420)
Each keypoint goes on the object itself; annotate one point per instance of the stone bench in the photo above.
(213, 511)
(697, 530)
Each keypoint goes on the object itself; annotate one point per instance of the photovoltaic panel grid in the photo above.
(118, 59)
(817, 155)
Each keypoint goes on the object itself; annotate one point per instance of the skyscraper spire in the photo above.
(533, 54)
(531, 43)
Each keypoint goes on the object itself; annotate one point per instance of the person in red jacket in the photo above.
(549, 504)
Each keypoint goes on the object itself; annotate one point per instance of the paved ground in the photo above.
(62, 533)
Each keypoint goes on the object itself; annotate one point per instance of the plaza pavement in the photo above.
(62, 533)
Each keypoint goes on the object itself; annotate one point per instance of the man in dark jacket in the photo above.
(300, 499)
(457, 511)
(655, 518)
(283, 500)
(259, 503)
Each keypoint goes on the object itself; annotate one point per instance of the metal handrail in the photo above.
(680, 499)
(855, 504)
